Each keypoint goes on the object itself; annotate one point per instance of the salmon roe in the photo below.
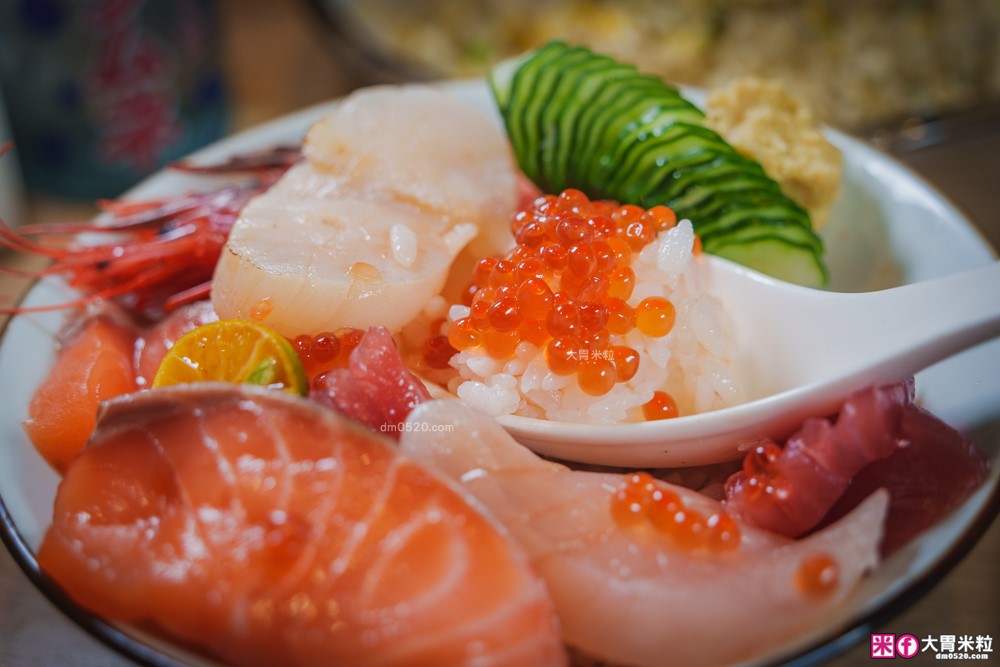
(642, 500)
(261, 310)
(326, 351)
(818, 575)
(654, 316)
(564, 287)
(661, 406)
(437, 352)
(763, 482)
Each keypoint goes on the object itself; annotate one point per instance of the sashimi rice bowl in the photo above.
(272, 414)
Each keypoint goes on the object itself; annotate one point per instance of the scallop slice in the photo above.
(424, 146)
(396, 182)
(331, 263)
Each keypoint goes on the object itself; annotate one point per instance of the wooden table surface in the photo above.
(278, 61)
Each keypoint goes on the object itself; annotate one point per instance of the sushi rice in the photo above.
(694, 362)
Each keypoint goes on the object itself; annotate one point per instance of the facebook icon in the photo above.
(907, 646)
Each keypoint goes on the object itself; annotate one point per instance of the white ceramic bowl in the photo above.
(889, 227)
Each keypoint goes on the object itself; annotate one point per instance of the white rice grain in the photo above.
(403, 244)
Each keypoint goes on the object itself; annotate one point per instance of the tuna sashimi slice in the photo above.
(930, 476)
(376, 388)
(789, 490)
(623, 593)
(880, 439)
(267, 530)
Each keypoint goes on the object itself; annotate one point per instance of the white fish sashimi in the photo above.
(396, 182)
(628, 595)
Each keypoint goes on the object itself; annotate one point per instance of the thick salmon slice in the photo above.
(94, 363)
(102, 354)
(267, 530)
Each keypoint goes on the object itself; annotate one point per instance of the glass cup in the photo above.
(103, 92)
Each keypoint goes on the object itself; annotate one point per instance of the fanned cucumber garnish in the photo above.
(581, 120)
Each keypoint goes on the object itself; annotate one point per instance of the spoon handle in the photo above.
(903, 330)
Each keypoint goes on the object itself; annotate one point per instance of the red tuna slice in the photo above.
(155, 340)
(930, 476)
(788, 491)
(267, 530)
(376, 388)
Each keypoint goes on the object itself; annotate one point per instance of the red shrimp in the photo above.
(159, 254)
(274, 160)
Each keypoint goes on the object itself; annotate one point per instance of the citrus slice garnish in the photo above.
(233, 351)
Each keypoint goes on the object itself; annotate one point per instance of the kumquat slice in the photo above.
(234, 351)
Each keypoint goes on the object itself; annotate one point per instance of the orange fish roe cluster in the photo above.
(641, 500)
(565, 286)
(326, 351)
(762, 480)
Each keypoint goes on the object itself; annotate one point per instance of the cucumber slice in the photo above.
(574, 120)
(557, 122)
(784, 260)
(548, 81)
(520, 125)
(769, 214)
(701, 201)
(614, 121)
(582, 120)
(666, 123)
(641, 150)
(756, 228)
(616, 100)
(709, 167)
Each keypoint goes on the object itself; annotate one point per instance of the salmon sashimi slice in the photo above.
(94, 363)
(102, 354)
(267, 530)
(626, 594)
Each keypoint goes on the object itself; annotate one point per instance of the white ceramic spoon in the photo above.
(802, 351)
